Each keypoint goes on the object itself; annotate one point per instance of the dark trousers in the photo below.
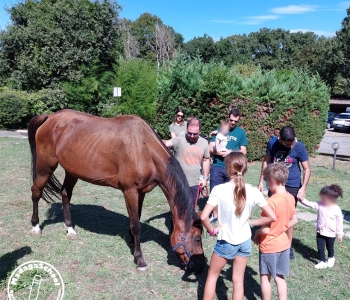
(193, 190)
(325, 242)
(218, 176)
(291, 190)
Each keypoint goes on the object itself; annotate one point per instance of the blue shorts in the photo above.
(229, 251)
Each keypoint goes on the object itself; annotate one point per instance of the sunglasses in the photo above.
(180, 116)
(233, 121)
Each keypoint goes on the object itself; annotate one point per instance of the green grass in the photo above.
(99, 264)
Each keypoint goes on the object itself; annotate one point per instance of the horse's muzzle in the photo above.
(195, 264)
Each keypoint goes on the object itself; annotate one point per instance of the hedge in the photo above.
(268, 100)
(17, 107)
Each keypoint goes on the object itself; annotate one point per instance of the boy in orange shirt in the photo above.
(274, 244)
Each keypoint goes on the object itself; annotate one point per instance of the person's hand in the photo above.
(340, 238)
(256, 239)
(261, 186)
(202, 182)
(215, 132)
(225, 152)
(217, 229)
(301, 194)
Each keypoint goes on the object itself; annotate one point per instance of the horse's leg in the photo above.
(132, 200)
(66, 192)
(141, 198)
(39, 184)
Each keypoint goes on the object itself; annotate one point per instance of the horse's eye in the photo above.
(197, 239)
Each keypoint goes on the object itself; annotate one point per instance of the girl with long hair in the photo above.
(235, 201)
(179, 126)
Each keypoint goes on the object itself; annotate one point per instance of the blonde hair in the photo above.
(278, 172)
(236, 165)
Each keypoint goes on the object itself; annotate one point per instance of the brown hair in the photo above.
(236, 165)
(332, 190)
(179, 109)
(278, 172)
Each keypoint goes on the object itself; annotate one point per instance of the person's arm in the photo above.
(215, 132)
(206, 171)
(206, 222)
(243, 149)
(217, 145)
(264, 164)
(310, 204)
(293, 221)
(307, 173)
(168, 143)
(267, 219)
(340, 226)
(172, 135)
(213, 151)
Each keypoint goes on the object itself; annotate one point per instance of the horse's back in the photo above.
(100, 150)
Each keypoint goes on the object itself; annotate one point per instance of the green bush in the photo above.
(268, 100)
(14, 108)
(138, 80)
(47, 101)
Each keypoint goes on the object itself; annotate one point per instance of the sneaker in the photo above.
(330, 262)
(321, 265)
(291, 253)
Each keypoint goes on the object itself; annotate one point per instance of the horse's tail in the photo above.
(53, 186)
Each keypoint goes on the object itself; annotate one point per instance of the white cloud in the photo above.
(294, 9)
(318, 32)
(254, 20)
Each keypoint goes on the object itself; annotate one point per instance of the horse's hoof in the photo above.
(142, 269)
(35, 233)
(72, 237)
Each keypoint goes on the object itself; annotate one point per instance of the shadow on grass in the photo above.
(252, 289)
(97, 219)
(9, 260)
(305, 251)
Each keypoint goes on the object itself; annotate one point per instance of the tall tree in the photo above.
(51, 41)
(204, 46)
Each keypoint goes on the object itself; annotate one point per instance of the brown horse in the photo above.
(123, 153)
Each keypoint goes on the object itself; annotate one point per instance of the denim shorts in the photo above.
(274, 263)
(229, 251)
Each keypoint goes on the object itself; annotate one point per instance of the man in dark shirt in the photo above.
(288, 150)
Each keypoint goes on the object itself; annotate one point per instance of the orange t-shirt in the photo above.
(277, 240)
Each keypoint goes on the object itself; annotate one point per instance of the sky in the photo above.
(222, 18)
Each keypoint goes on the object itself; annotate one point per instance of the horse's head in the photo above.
(188, 246)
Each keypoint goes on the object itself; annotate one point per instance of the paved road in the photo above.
(14, 133)
(343, 138)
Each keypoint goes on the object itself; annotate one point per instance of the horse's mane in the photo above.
(176, 178)
(182, 199)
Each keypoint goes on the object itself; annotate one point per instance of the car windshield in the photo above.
(343, 116)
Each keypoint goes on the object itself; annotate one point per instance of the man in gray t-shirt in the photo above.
(192, 152)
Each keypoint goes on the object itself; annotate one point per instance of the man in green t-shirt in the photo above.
(237, 141)
(192, 153)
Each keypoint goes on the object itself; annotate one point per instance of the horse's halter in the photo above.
(191, 262)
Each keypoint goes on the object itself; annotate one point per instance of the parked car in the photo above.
(331, 116)
(342, 121)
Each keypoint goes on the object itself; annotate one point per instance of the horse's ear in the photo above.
(197, 223)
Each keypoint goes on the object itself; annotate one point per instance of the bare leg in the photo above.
(133, 206)
(239, 265)
(265, 281)
(66, 192)
(216, 265)
(281, 287)
(37, 191)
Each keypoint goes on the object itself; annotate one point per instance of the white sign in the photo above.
(117, 92)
